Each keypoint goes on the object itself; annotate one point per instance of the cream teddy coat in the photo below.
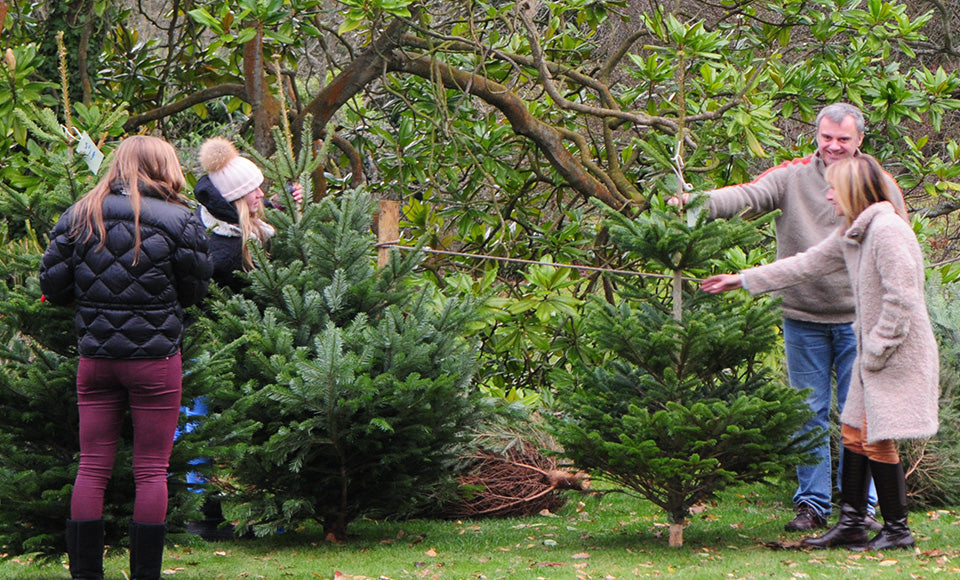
(895, 384)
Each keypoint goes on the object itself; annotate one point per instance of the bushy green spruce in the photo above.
(350, 391)
(671, 398)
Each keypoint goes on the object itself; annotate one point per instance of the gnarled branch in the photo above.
(201, 96)
(547, 138)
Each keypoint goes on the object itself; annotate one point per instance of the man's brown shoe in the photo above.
(806, 519)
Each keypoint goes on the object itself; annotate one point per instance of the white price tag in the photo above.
(91, 154)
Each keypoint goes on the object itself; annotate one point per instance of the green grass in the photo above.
(615, 537)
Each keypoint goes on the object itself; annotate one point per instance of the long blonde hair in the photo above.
(139, 163)
(251, 226)
(859, 182)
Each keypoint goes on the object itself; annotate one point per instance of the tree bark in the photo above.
(266, 108)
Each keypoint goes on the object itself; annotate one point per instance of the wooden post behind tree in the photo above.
(388, 228)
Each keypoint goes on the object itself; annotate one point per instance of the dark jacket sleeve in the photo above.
(56, 267)
(191, 263)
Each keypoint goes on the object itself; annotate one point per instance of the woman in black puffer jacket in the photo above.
(131, 256)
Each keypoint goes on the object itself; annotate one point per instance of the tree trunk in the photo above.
(264, 105)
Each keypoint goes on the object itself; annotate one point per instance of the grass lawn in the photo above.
(613, 537)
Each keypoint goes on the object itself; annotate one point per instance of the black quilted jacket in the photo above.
(126, 310)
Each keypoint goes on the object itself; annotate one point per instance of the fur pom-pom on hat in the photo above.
(232, 175)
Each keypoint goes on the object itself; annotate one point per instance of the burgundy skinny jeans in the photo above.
(106, 388)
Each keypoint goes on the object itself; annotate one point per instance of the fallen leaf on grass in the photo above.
(338, 575)
(580, 556)
(431, 552)
(550, 564)
(889, 562)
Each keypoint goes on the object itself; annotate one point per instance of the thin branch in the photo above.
(946, 16)
(940, 209)
(356, 161)
(584, 148)
(547, 138)
(561, 101)
(201, 96)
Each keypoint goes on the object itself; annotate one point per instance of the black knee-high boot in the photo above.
(146, 550)
(85, 549)
(892, 497)
(850, 529)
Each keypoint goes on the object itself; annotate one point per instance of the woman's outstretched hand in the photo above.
(721, 283)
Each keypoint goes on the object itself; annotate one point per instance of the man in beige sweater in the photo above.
(819, 340)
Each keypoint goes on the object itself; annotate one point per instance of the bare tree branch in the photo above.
(202, 96)
(547, 138)
(561, 101)
(946, 17)
(940, 209)
(361, 71)
(357, 177)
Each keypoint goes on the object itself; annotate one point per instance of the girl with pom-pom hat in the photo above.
(231, 208)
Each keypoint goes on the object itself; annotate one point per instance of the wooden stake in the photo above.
(388, 229)
(676, 535)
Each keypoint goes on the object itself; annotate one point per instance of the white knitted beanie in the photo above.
(232, 175)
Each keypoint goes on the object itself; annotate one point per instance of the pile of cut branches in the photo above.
(518, 480)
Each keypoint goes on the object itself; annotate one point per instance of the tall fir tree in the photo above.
(670, 397)
(351, 389)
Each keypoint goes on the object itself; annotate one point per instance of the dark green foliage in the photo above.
(350, 390)
(677, 408)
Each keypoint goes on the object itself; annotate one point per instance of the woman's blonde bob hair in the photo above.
(859, 182)
(141, 165)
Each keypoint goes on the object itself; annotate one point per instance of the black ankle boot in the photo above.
(146, 550)
(850, 529)
(85, 549)
(892, 497)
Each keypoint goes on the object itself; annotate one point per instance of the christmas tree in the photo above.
(351, 388)
(671, 398)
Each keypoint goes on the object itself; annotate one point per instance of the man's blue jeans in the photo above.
(816, 353)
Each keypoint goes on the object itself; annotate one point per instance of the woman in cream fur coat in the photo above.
(894, 389)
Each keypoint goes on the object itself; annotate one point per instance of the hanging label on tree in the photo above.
(91, 154)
